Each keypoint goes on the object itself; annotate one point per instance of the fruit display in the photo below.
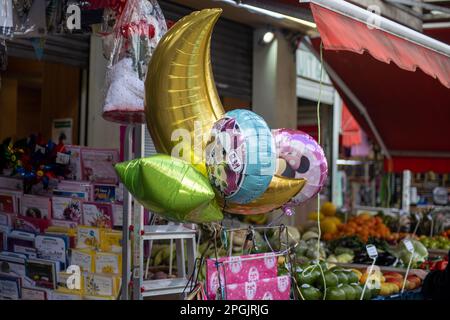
(436, 263)
(363, 226)
(420, 253)
(336, 283)
(329, 222)
(438, 242)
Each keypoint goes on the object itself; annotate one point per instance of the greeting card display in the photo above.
(265, 289)
(78, 188)
(98, 165)
(67, 209)
(7, 219)
(97, 214)
(109, 263)
(36, 207)
(4, 231)
(11, 183)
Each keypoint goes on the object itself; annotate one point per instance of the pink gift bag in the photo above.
(266, 289)
(238, 270)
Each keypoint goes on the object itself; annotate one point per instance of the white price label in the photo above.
(62, 158)
(418, 216)
(430, 217)
(372, 251)
(408, 244)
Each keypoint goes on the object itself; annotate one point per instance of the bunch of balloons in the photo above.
(232, 161)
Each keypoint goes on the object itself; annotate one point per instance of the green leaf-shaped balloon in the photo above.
(171, 188)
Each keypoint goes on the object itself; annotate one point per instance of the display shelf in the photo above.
(152, 288)
(167, 232)
(437, 252)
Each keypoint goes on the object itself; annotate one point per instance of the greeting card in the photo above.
(7, 203)
(12, 263)
(71, 194)
(9, 287)
(84, 258)
(105, 192)
(52, 248)
(4, 231)
(29, 224)
(101, 285)
(11, 183)
(117, 210)
(66, 279)
(7, 219)
(109, 263)
(97, 214)
(74, 162)
(59, 295)
(111, 241)
(78, 186)
(30, 293)
(67, 209)
(88, 237)
(20, 239)
(35, 207)
(43, 272)
(98, 165)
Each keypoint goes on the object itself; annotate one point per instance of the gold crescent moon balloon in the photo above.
(280, 191)
(180, 93)
(180, 89)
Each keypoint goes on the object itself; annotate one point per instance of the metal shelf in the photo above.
(152, 288)
(168, 232)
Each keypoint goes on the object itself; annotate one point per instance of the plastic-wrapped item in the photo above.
(6, 18)
(29, 18)
(129, 48)
(55, 14)
(3, 55)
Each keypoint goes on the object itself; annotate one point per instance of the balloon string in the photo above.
(318, 195)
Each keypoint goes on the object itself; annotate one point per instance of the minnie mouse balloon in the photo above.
(240, 156)
(300, 156)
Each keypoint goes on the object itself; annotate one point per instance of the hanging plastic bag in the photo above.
(6, 18)
(135, 36)
(29, 18)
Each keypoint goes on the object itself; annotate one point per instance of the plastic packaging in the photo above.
(29, 17)
(135, 35)
(6, 18)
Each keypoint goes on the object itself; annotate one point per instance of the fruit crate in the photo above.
(409, 295)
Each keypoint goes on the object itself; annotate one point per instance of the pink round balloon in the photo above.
(300, 156)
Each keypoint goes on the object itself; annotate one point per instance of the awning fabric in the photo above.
(404, 86)
(350, 129)
(339, 32)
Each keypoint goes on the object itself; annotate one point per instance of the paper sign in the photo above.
(62, 158)
(372, 251)
(62, 130)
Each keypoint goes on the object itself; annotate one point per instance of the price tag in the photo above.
(62, 158)
(430, 217)
(408, 244)
(372, 251)
(418, 216)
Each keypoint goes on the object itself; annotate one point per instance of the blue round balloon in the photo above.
(241, 156)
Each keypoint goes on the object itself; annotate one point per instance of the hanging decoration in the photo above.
(300, 156)
(240, 156)
(136, 33)
(171, 188)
